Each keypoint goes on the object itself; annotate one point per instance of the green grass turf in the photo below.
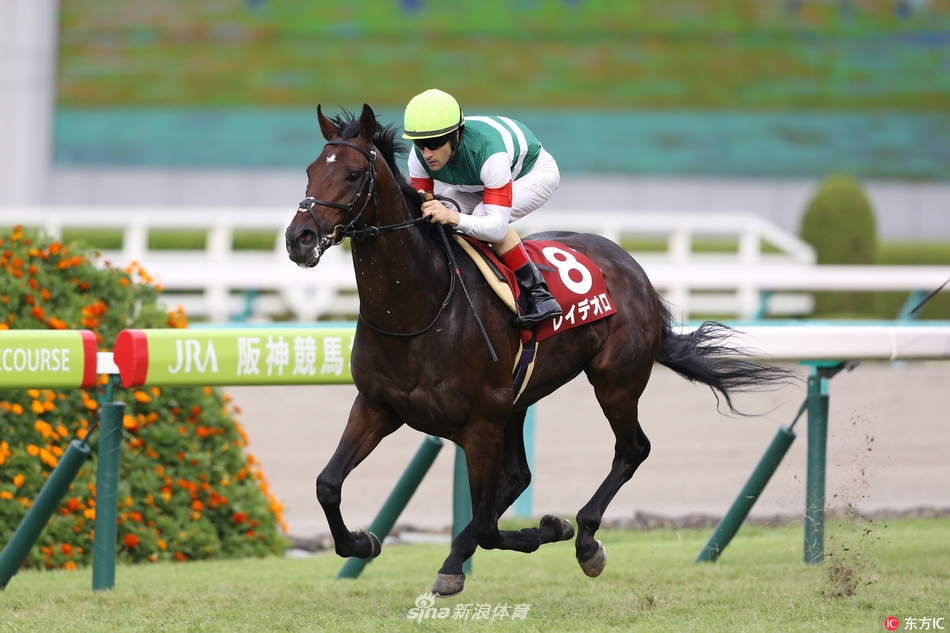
(872, 570)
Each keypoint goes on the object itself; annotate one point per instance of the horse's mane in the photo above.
(389, 146)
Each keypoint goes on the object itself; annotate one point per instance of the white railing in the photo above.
(680, 231)
(219, 283)
(671, 270)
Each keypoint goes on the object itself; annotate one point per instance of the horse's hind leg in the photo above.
(590, 553)
(514, 479)
(631, 448)
(365, 428)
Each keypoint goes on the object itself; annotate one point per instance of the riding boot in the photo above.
(539, 304)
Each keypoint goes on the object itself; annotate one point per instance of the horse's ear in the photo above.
(326, 126)
(367, 124)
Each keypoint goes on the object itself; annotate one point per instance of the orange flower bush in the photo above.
(184, 475)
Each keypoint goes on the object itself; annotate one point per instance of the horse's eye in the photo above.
(353, 176)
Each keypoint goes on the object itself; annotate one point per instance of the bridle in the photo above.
(340, 231)
(368, 182)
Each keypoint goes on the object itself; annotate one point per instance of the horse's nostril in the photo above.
(304, 239)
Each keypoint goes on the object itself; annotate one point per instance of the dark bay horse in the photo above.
(420, 359)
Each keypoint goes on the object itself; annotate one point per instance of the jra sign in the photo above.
(283, 356)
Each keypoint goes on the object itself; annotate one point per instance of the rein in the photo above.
(445, 302)
(340, 232)
(454, 272)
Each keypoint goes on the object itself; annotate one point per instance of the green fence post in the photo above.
(762, 311)
(107, 492)
(733, 519)
(815, 481)
(908, 310)
(397, 500)
(818, 394)
(42, 509)
(461, 501)
(524, 504)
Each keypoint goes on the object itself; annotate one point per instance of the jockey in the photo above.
(497, 171)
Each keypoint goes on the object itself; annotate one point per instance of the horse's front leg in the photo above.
(366, 427)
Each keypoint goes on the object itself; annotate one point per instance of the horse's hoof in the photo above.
(562, 527)
(375, 548)
(593, 566)
(448, 585)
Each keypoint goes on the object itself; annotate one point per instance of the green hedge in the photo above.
(839, 223)
(187, 488)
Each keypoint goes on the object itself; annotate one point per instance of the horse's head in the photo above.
(341, 187)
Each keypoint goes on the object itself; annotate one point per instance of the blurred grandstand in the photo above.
(706, 105)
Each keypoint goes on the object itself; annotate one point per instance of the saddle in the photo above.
(575, 281)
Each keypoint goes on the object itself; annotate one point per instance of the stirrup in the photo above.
(548, 308)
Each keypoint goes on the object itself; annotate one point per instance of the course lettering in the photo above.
(31, 359)
(39, 359)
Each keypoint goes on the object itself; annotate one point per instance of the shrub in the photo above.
(187, 489)
(839, 223)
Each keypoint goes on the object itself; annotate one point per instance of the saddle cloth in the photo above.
(575, 281)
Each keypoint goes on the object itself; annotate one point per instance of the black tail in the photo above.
(703, 356)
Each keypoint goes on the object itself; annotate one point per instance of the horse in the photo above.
(419, 359)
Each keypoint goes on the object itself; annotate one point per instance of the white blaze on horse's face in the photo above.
(331, 158)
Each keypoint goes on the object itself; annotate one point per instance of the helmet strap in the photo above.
(455, 141)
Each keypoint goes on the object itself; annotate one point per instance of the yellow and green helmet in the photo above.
(431, 114)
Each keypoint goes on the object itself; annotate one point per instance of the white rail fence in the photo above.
(221, 283)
